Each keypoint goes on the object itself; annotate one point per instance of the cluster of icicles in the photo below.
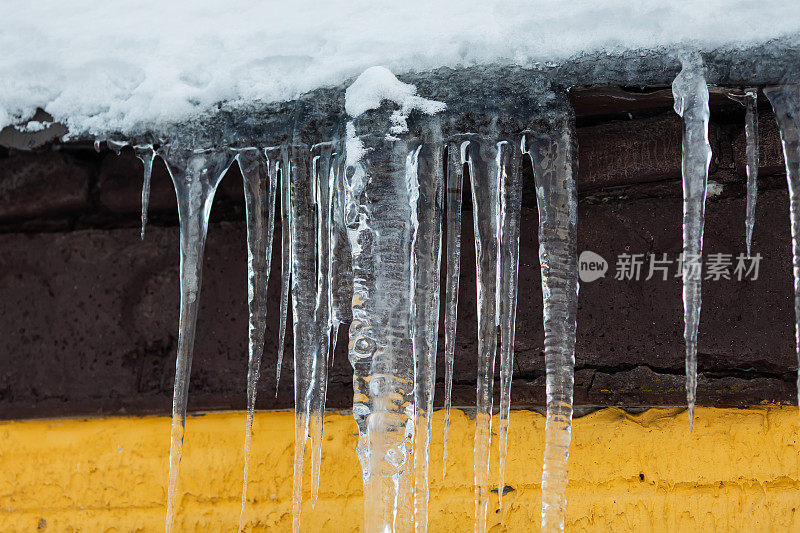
(361, 245)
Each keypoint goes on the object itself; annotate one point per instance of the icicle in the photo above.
(321, 174)
(750, 100)
(554, 161)
(691, 102)
(456, 158)
(260, 182)
(341, 263)
(785, 102)
(146, 154)
(427, 271)
(195, 175)
(483, 158)
(286, 261)
(379, 213)
(511, 203)
(306, 338)
(116, 146)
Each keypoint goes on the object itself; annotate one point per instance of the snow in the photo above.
(378, 84)
(105, 66)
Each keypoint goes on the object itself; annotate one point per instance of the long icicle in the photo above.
(456, 158)
(378, 215)
(750, 100)
(428, 258)
(303, 290)
(785, 102)
(260, 182)
(483, 157)
(511, 204)
(321, 174)
(341, 263)
(691, 102)
(554, 162)
(195, 175)
(286, 260)
(146, 154)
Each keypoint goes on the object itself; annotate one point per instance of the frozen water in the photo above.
(96, 71)
(554, 160)
(456, 159)
(260, 182)
(378, 214)
(749, 99)
(484, 161)
(427, 270)
(511, 204)
(286, 260)
(691, 102)
(147, 155)
(785, 102)
(195, 175)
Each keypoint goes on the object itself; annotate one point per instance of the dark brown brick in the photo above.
(90, 318)
(624, 152)
(42, 184)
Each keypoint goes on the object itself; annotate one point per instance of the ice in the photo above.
(378, 214)
(427, 270)
(260, 182)
(195, 175)
(286, 260)
(691, 102)
(785, 102)
(511, 204)
(456, 159)
(341, 269)
(95, 70)
(553, 156)
(146, 154)
(303, 230)
(378, 84)
(116, 146)
(321, 170)
(749, 99)
(484, 161)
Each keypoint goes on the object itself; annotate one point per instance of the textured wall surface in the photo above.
(737, 471)
(88, 311)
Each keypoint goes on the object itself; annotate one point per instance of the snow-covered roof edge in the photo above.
(257, 122)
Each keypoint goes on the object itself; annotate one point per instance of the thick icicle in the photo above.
(304, 291)
(750, 100)
(691, 102)
(321, 174)
(456, 158)
(195, 175)
(286, 260)
(427, 271)
(511, 204)
(341, 263)
(379, 213)
(484, 160)
(146, 153)
(785, 102)
(260, 182)
(554, 161)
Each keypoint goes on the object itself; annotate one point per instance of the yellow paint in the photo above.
(738, 471)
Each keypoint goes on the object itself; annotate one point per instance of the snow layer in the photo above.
(102, 66)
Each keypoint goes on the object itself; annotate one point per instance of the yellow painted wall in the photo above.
(738, 471)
